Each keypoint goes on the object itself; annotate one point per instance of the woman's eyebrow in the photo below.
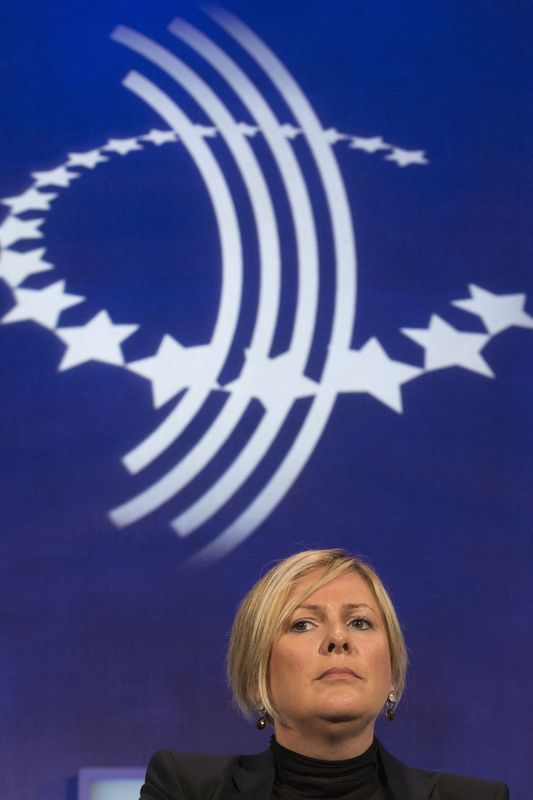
(347, 606)
(358, 605)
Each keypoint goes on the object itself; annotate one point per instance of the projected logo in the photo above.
(186, 376)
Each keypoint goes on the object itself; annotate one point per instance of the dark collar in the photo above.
(254, 778)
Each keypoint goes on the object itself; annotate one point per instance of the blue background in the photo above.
(111, 646)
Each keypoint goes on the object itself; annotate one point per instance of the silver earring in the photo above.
(262, 719)
(390, 706)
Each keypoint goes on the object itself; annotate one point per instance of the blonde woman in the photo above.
(316, 652)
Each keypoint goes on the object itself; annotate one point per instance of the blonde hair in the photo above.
(262, 614)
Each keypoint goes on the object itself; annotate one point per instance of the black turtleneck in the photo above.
(299, 777)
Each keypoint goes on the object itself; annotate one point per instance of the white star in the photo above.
(247, 130)
(332, 135)
(16, 267)
(159, 137)
(445, 346)
(14, 230)
(207, 131)
(174, 368)
(276, 382)
(30, 200)
(60, 176)
(89, 159)
(371, 370)
(43, 306)
(289, 131)
(404, 158)
(97, 340)
(122, 146)
(370, 145)
(498, 311)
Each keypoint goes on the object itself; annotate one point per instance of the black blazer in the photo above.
(192, 776)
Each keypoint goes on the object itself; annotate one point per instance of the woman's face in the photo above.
(332, 662)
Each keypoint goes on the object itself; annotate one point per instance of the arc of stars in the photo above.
(16, 267)
(372, 371)
(43, 306)
(122, 146)
(275, 382)
(206, 131)
(97, 340)
(497, 311)
(445, 346)
(30, 200)
(174, 368)
(159, 137)
(289, 131)
(14, 230)
(405, 158)
(332, 136)
(247, 130)
(89, 159)
(60, 176)
(370, 144)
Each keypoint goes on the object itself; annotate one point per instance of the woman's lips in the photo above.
(337, 673)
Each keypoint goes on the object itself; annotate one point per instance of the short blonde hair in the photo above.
(264, 611)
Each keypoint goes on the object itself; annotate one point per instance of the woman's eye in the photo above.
(361, 624)
(301, 625)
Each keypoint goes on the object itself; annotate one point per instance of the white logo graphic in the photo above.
(276, 381)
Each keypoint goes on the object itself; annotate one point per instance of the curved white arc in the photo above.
(253, 452)
(344, 243)
(156, 443)
(274, 491)
(221, 201)
(232, 277)
(246, 161)
(164, 434)
(169, 484)
(233, 478)
(289, 168)
(180, 475)
(341, 222)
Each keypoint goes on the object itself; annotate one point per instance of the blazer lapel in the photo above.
(405, 782)
(252, 779)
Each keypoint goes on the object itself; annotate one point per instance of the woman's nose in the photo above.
(337, 640)
(339, 645)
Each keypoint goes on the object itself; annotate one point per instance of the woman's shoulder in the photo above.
(456, 787)
(409, 781)
(165, 760)
(175, 775)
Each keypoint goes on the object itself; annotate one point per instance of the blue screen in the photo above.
(265, 285)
